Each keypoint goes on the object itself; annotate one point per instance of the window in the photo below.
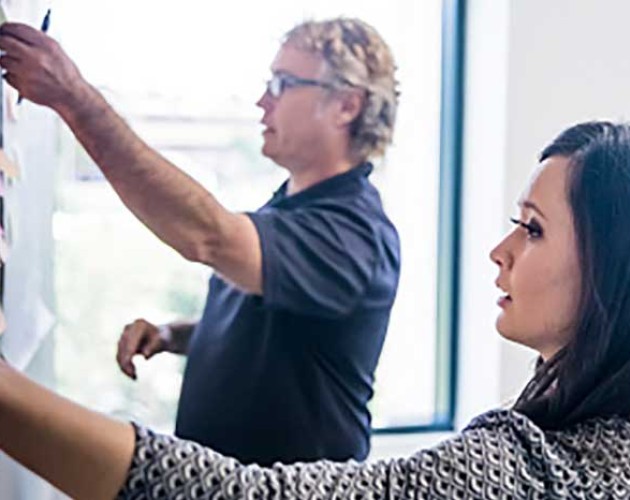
(186, 76)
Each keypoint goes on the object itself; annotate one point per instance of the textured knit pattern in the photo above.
(501, 454)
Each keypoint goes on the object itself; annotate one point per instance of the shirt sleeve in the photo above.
(474, 464)
(317, 260)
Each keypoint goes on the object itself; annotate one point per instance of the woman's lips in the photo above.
(504, 301)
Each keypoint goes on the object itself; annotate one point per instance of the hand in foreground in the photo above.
(37, 66)
(139, 337)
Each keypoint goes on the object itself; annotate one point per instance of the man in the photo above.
(281, 364)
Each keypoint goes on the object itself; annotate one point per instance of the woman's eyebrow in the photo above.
(532, 206)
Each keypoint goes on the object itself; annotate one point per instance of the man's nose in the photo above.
(265, 101)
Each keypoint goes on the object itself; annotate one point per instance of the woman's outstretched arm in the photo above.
(90, 456)
(83, 453)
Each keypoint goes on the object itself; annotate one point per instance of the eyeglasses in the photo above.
(282, 81)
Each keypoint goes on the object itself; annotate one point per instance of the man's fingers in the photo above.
(127, 348)
(22, 32)
(125, 362)
(9, 63)
(12, 47)
(140, 337)
(152, 345)
(129, 369)
(10, 79)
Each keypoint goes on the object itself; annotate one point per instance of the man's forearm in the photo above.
(173, 205)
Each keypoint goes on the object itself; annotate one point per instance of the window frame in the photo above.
(449, 221)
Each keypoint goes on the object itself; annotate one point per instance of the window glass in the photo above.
(186, 76)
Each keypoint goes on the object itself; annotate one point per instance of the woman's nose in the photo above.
(501, 255)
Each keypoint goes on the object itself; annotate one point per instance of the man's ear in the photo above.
(350, 106)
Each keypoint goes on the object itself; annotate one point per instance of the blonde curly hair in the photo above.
(356, 56)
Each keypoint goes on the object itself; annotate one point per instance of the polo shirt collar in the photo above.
(327, 187)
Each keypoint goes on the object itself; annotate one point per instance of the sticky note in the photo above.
(9, 167)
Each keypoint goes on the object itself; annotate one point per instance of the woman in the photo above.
(565, 274)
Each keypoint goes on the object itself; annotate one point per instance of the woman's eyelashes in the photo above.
(533, 228)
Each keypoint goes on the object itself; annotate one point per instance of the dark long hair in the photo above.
(590, 377)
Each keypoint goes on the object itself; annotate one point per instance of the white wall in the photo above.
(533, 68)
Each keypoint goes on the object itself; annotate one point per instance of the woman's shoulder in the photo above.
(519, 434)
(508, 452)
(510, 421)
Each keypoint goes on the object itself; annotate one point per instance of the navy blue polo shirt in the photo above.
(287, 376)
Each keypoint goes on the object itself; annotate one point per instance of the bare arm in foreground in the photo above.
(92, 457)
(83, 453)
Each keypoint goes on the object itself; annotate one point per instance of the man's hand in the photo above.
(139, 337)
(37, 66)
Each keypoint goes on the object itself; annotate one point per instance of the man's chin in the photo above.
(268, 152)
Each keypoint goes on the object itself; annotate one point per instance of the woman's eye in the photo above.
(532, 228)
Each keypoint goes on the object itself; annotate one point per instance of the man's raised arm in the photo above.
(174, 206)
